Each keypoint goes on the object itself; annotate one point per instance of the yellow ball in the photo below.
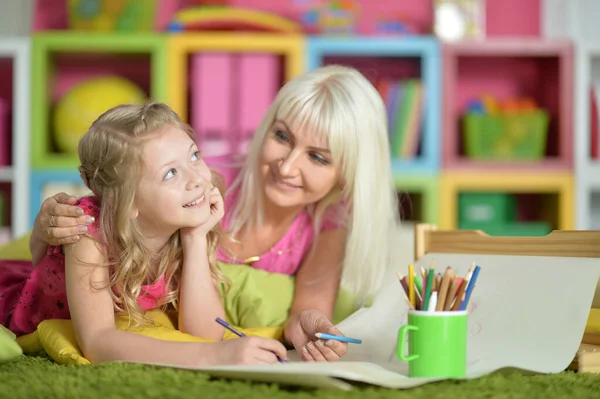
(85, 102)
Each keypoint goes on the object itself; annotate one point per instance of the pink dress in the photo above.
(31, 295)
(286, 255)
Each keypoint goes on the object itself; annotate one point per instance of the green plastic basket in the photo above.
(506, 137)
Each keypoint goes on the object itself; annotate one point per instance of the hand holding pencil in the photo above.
(302, 331)
(438, 292)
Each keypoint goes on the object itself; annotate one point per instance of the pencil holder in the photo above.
(437, 344)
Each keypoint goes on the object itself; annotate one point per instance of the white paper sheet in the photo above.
(526, 313)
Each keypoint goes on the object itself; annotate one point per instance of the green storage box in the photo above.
(520, 136)
(489, 208)
(513, 229)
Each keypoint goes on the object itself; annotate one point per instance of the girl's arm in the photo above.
(92, 313)
(199, 300)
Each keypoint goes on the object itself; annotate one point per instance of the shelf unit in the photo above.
(543, 69)
(587, 169)
(421, 53)
(62, 180)
(15, 52)
(558, 188)
(410, 57)
(418, 197)
(65, 59)
(181, 47)
(505, 68)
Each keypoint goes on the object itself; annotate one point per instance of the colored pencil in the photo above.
(437, 292)
(461, 291)
(404, 295)
(428, 288)
(411, 285)
(338, 338)
(443, 291)
(463, 305)
(452, 291)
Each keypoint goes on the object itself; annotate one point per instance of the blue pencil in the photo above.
(338, 338)
(238, 333)
(463, 305)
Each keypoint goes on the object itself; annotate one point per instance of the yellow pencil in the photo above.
(411, 285)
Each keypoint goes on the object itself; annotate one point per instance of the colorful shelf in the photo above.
(65, 59)
(170, 76)
(423, 193)
(226, 101)
(406, 58)
(505, 68)
(557, 207)
(62, 180)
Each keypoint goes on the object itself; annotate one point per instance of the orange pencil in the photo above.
(452, 291)
(437, 282)
(443, 291)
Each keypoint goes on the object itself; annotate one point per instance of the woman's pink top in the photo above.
(286, 255)
(30, 295)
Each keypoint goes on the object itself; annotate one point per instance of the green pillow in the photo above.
(9, 349)
(258, 298)
(17, 249)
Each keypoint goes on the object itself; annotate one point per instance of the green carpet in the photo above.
(39, 377)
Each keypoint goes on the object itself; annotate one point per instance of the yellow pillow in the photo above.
(57, 337)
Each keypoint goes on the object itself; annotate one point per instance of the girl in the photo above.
(314, 198)
(152, 244)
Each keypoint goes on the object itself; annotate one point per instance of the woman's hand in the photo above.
(59, 221)
(301, 330)
(217, 211)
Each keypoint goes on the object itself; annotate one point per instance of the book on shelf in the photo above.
(404, 101)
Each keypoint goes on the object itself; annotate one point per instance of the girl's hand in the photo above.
(217, 211)
(301, 331)
(250, 350)
(59, 221)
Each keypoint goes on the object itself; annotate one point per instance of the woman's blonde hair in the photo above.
(111, 161)
(339, 103)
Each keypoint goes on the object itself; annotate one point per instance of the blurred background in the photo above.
(492, 105)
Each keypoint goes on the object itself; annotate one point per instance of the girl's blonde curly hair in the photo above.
(111, 160)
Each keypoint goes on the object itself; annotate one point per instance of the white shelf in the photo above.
(587, 171)
(17, 48)
(6, 174)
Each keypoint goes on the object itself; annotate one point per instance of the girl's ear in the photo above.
(134, 213)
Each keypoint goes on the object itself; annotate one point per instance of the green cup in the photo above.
(437, 344)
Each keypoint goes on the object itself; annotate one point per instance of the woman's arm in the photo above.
(199, 300)
(318, 277)
(317, 285)
(59, 222)
(92, 313)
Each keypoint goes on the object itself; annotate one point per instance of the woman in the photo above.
(314, 198)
